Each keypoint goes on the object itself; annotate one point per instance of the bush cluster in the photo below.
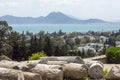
(113, 54)
(36, 56)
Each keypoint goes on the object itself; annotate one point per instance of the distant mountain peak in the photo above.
(55, 14)
(51, 18)
(52, 13)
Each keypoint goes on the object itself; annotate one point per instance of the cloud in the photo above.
(8, 4)
(104, 9)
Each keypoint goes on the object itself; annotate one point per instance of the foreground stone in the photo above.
(14, 65)
(68, 59)
(114, 73)
(53, 68)
(95, 69)
(56, 62)
(31, 64)
(11, 74)
(48, 72)
(31, 76)
(74, 71)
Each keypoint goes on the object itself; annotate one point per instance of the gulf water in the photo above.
(35, 28)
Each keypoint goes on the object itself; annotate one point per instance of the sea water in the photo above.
(35, 28)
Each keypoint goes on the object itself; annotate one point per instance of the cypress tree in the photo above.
(57, 51)
(16, 54)
(23, 46)
(40, 45)
(48, 48)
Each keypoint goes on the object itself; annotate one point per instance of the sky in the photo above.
(81, 9)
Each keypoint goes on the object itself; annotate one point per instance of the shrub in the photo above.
(37, 55)
(113, 54)
(105, 72)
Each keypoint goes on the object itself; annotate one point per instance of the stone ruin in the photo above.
(55, 68)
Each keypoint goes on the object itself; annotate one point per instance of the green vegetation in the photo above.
(105, 72)
(113, 54)
(36, 56)
(5, 31)
(19, 46)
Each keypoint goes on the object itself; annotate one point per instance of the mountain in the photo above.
(52, 18)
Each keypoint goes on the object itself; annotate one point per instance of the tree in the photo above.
(13, 38)
(60, 33)
(16, 54)
(41, 34)
(70, 42)
(85, 40)
(40, 45)
(48, 46)
(31, 46)
(83, 53)
(15, 41)
(64, 50)
(58, 41)
(111, 42)
(23, 47)
(57, 51)
(5, 31)
(77, 41)
(79, 53)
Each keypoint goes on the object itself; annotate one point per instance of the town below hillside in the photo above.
(20, 46)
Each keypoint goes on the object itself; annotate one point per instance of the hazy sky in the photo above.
(81, 9)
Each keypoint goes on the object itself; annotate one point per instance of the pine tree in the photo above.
(40, 45)
(16, 54)
(31, 48)
(5, 31)
(48, 47)
(57, 51)
(23, 47)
